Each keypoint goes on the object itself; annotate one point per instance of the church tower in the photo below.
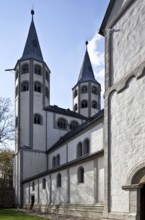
(32, 88)
(87, 91)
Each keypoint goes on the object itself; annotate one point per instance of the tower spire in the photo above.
(32, 13)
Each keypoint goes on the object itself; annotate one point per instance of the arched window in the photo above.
(25, 68)
(73, 125)
(86, 146)
(38, 119)
(80, 175)
(47, 92)
(94, 90)
(94, 104)
(33, 186)
(47, 76)
(75, 93)
(37, 87)
(79, 150)
(53, 162)
(58, 180)
(58, 160)
(24, 86)
(44, 183)
(37, 69)
(84, 89)
(84, 104)
(62, 123)
(75, 107)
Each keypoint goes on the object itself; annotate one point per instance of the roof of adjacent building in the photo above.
(80, 128)
(32, 47)
(56, 109)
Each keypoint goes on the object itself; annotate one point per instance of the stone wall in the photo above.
(6, 197)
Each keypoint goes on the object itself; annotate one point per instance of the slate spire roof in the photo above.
(86, 72)
(32, 48)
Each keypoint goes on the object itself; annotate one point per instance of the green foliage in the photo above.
(6, 167)
(12, 214)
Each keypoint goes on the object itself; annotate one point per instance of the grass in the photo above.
(13, 214)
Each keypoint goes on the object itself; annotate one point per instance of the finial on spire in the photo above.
(86, 44)
(32, 13)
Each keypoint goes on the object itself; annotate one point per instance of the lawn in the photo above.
(12, 214)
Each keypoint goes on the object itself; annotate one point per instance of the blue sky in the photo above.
(62, 26)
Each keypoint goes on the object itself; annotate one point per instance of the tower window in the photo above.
(94, 104)
(33, 186)
(47, 92)
(58, 160)
(44, 183)
(84, 89)
(17, 74)
(16, 91)
(37, 69)
(73, 125)
(58, 180)
(79, 150)
(86, 146)
(80, 175)
(16, 123)
(84, 104)
(75, 93)
(53, 162)
(38, 119)
(37, 87)
(94, 90)
(62, 123)
(25, 68)
(47, 76)
(24, 86)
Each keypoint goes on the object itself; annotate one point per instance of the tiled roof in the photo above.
(70, 134)
(32, 47)
(55, 108)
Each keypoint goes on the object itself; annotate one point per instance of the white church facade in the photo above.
(86, 161)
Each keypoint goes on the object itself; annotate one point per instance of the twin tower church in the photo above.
(86, 161)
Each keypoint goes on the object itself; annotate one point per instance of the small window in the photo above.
(94, 90)
(37, 69)
(47, 76)
(86, 146)
(38, 119)
(62, 123)
(33, 186)
(58, 160)
(17, 73)
(24, 87)
(79, 150)
(25, 68)
(47, 92)
(73, 125)
(94, 104)
(53, 162)
(44, 183)
(16, 123)
(80, 174)
(84, 104)
(75, 107)
(75, 93)
(84, 89)
(37, 87)
(58, 180)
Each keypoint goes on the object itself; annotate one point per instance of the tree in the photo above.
(6, 121)
(6, 167)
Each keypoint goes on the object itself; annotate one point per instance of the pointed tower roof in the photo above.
(32, 48)
(86, 72)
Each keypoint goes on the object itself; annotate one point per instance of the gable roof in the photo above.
(56, 109)
(84, 125)
(32, 47)
(107, 14)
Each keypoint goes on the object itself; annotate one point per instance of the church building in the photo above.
(87, 161)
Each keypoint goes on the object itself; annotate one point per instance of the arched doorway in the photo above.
(142, 203)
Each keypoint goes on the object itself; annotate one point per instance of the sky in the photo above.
(63, 27)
